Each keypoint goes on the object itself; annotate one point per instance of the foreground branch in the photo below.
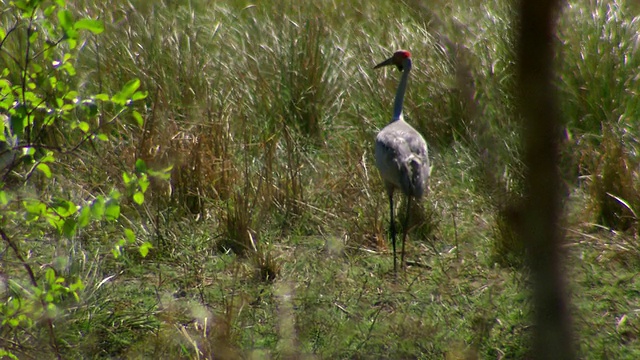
(539, 226)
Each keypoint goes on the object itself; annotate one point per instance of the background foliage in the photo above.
(195, 180)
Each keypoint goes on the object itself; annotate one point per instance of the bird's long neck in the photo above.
(402, 88)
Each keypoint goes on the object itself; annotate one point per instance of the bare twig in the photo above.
(373, 323)
(418, 264)
(455, 232)
(342, 308)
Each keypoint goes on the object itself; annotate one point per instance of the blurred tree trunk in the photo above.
(541, 211)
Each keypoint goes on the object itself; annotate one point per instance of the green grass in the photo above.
(270, 236)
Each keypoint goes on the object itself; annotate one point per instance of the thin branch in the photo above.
(34, 282)
(27, 58)
(6, 36)
(16, 250)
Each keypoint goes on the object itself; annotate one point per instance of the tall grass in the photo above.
(598, 85)
(271, 233)
(598, 65)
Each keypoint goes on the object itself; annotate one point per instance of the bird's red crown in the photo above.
(398, 59)
(402, 54)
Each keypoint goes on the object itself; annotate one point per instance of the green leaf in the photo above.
(48, 157)
(72, 95)
(56, 221)
(4, 353)
(33, 37)
(71, 39)
(139, 95)
(49, 10)
(102, 137)
(102, 97)
(131, 236)
(115, 194)
(50, 276)
(141, 166)
(98, 208)
(3, 198)
(138, 118)
(18, 121)
(83, 126)
(22, 5)
(130, 87)
(69, 227)
(66, 19)
(78, 285)
(3, 137)
(64, 208)
(144, 183)
(69, 68)
(95, 26)
(123, 96)
(34, 207)
(112, 210)
(116, 252)
(138, 197)
(45, 169)
(144, 248)
(85, 217)
(163, 174)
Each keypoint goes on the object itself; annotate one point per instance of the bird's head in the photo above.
(399, 59)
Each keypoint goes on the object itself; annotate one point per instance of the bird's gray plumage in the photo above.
(402, 159)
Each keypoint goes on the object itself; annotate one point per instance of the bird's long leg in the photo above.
(392, 228)
(405, 229)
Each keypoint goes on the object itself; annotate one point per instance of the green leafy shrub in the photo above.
(47, 120)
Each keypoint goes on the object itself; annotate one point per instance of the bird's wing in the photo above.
(402, 158)
(389, 152)
(401, 142)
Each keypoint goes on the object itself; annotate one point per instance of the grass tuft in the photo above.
(507, 249)
(238, 236)
(615, 193)
(265, 262)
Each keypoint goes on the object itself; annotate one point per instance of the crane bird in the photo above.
(401, 153)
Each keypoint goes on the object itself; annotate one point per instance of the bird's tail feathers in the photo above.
(414, 176)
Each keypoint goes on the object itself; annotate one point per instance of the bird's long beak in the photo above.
(387, 62)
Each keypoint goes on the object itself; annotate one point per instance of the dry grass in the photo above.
(270, 236)
(614, 185)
